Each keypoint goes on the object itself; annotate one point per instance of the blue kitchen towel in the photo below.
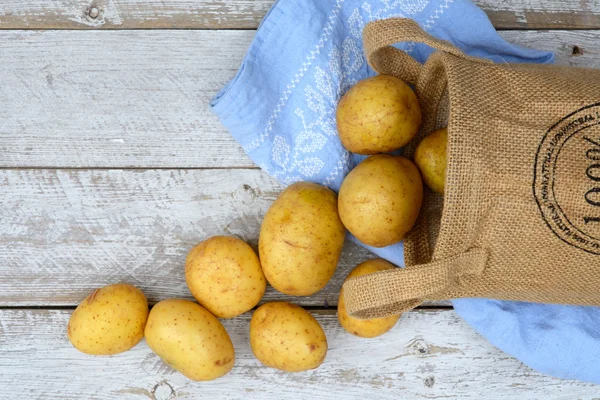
(281, 108)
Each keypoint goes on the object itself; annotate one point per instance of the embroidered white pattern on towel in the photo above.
(300, 156)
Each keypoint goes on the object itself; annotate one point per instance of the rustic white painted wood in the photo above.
(116, 99)
(245, 14)
(429, 354)
(140, 98)
(132, 14)
(64, 233)
(542, 14)
(575, 48)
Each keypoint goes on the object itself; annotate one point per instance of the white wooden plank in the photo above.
(132, 14)
(429, 354)
(542, 14)
(575, 48)
(116, 99)
(140, 98)
(67, 232)
(246, 14)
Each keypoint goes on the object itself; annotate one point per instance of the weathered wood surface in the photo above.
(116, 99)
(119, 99)
(67, 232)
(542, 14)
(139, 99)
(575, 48)
(247, 14)
(429, 354)
(132, 14)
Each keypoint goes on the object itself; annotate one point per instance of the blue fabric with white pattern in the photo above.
(281, 108)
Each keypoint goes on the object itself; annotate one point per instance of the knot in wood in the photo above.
(163, 391)
(429, 381)
(94, 12)
(420, 347)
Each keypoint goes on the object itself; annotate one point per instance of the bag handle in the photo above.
(391, 292)
(378, 36)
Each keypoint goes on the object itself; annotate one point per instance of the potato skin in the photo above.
(366, 328)
(109, 321)
(190, 339)
(224, 274)
(285, 336)
(380, 199)
(431, 158)
(301, 239)
(378, 115)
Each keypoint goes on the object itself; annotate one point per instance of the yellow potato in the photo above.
(190, 339)
(367, 328)
(301, 239)
(430, 157)
(378, 115)
(109, 321)
(224, 275)
(380, 199)
(285, 336)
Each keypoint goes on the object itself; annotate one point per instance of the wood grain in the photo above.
(575, 48)
(116, 99)
(139, 99)
(67, 232)
(133, 14)
(542, 14)
(247, 14)
(429, 354)
(119, 99)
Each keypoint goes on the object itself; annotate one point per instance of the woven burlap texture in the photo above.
(488, 235)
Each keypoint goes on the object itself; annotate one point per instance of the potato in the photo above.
(301, 239)
(378, 115)
(430, 157)
(190, 339)
(285, 336)
(380, 199)
(224, 275)
(109, 321)
(367, 328)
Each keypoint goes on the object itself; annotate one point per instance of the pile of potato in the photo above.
(300, 244)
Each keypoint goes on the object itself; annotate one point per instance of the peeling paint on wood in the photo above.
(247, 14)
(117, 99)
(542, 14)
(120, 99)
(66, 232)
(139, 99)
(37, 358)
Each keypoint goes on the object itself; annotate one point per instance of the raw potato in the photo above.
(287, 337)
(190, 339)
(378, 115)
(367, 328)
(109, 321)
(301, 239)
(430, 157)
(380, 199)
(224, 275)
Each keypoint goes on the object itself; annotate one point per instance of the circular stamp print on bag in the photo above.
(566, 181)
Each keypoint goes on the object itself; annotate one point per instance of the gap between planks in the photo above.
(425, 307)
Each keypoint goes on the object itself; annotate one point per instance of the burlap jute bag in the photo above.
(520, 218)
